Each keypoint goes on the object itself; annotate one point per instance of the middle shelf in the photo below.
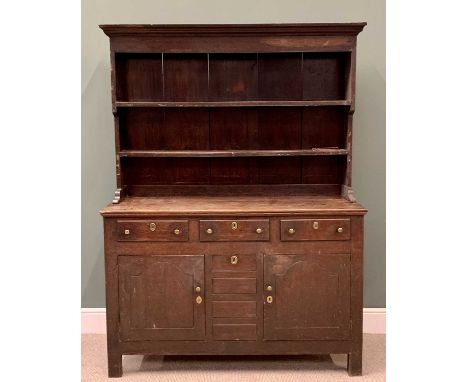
(229, 153)
(284, 103)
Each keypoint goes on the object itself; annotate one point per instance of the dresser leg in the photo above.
(355, 363)
(114, 363)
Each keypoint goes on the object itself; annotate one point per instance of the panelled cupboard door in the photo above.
(307, 297)
(158, 297)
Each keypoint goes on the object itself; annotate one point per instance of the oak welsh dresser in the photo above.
(234, 229)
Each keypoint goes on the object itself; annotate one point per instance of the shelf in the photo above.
(234, 104)
(228, 153)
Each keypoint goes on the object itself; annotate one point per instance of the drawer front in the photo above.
(235, 230)
(152, 230)
(235, 332)
(315, 229)
(234, 263)
(234, 285)
(234, 309)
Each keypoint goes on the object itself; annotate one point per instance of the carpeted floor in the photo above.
(239, 369)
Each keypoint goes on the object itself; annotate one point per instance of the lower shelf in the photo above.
(230, 153)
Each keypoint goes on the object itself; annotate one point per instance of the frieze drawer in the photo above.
(152, 230)
(235, 230)
(315, 229)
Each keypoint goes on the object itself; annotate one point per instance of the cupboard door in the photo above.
(158, 297)
(306, 297)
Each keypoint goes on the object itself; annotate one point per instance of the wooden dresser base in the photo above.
(262, 289)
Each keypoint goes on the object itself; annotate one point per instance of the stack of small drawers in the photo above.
(233, 279)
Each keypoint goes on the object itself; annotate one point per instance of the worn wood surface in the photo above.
(215, 104)
(157, 297)
(230, 153)
(310, 297)
(234, 228)
(232, 205)
(153, 230)
(315, 229)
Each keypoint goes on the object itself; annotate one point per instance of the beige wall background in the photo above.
(98, 172)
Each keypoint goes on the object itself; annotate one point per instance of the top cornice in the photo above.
(322, 29)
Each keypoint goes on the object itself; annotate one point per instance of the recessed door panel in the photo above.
(162, 297)
(306, 297)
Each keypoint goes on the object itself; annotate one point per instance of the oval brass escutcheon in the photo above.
(199, 300)
(269, 299)
(152, 226)
(234, 259)
(315, 225)
(234, 225)
(127, 232)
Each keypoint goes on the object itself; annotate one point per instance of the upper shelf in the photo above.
(230, 153)
(234, 104)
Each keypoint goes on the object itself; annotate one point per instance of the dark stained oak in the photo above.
(310, 297)
(315, 229)
(148, 288)
(153, 230)
(242, 309)
(234, 228)
(229, 153)
(232, 205)
(331, 102)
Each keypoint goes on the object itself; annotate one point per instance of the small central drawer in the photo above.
(240, 285)
(235, 230)
(315, 229)
(152, 230)
(234, 263)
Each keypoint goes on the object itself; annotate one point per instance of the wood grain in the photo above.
(232, 205)
(227, 137)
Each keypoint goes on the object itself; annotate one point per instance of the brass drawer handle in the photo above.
(127, 232)
(259, 230)
(291, 231)
(199, 300)
(269, 299)
(340, 229)
(177, 231)
(234, 259)
(152, 226)
(234, 225)
(315, 225)
(209, 231)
